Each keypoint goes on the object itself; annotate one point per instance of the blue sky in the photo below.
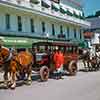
(91, 6)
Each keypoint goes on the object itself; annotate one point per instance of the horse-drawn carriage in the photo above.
(43, 57)
(41, 61)
(91, 59)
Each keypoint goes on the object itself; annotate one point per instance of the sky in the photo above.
(91, 6)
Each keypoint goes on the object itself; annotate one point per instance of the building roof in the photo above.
(95, 22)
(73, 3)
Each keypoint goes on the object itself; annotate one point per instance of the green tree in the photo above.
(97, 13)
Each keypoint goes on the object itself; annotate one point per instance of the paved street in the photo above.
(83, 86)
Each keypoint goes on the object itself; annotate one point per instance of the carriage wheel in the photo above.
(72, 68)
(44, 73)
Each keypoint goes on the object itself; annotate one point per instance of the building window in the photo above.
(43, 27)
(74, 33)
(32, 25)
(19, 23)
(53, 29)
(61, 29)
(80, 34)
(7, 18)
(34, 1)
(68, 31)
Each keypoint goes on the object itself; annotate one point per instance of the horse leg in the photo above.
(98, 64)
(29, 73)
(85, 64)
(13, 68)
(6, 75)
(6, 79)
(88, 65)
(13, 81)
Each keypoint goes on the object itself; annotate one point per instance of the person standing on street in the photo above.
(58, 61)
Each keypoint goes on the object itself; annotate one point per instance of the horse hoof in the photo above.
(12, 88)
(28, 82)
(9, 84)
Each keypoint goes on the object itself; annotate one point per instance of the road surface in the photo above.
(83, 86)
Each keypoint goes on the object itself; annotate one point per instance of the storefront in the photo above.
(25, 42)
(17, 42)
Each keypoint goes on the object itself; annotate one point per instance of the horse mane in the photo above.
(5, 48)
(24, 57)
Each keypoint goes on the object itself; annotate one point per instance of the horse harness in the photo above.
(6, 58)
(19, 66)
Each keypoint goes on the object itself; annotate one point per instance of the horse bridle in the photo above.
(7, 58)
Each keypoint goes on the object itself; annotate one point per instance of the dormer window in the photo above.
(55, 6)
(46, 3)
(34, 1)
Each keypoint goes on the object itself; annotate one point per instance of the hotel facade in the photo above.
(23, 22)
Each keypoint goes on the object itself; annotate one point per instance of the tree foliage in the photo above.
(96, 14)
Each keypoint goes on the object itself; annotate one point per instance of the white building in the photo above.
(93, 36)
(23, 22)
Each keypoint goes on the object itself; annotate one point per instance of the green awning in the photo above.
(63, 10)
(55, 6)
(34, 1)
(17, 42)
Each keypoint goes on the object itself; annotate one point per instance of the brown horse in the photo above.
(5, 57)
(15, 64)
